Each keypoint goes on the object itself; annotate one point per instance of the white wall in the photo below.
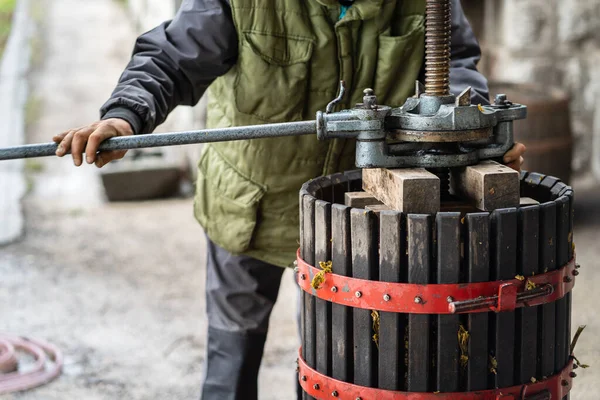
(14, 67)
(149, 13)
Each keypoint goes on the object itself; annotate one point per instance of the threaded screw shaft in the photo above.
(438, 36)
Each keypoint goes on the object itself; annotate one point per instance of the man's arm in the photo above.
(465, 56)
(171, 65)
(174, 63)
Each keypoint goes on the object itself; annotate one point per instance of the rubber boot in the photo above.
(232, 364)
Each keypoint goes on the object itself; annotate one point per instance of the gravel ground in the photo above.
(119, 287)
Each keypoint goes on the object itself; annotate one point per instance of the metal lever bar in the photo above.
(173, 139)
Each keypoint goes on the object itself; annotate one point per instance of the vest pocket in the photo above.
(226, 202)
(272, 76)
(396, 56)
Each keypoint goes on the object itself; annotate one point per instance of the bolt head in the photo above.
(565, 382)
(568, 279)
(418, 300)
(334, 393)
(316, 386)
(358, 294)
(303, 378)
(303, 277)
(577, 266)
(450, 299)
(296, 269)
(575, 273)
(573, 375)
(295, 263)
(575, 366)
(334, 289)
(359, 398)
(500, 99)
(386, 297)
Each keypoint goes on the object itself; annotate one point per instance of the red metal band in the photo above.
(322, 387)
(439, 298)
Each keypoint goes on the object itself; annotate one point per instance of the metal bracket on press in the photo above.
(507, 299)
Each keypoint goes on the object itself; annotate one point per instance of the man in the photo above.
(265, 61)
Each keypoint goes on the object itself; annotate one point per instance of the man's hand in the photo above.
(88, 139)
(514, 157)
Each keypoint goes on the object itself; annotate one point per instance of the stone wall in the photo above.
(552, 42)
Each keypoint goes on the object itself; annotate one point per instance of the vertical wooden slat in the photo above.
(563, 212)
(341, 315)
(531, 187)
(558, 190)
(547, 187)
(322, 307)
(419, 271)
(448, 271)
(302, 246)
(568, 300)
(477, 254)
(569, 297)
(364, 266)
(354, 180)
(308, 254)
(326, 188)
(547, 312)
(504, 266)
(392, 251)
(340, 187)
(571, 197)
(299, 392)
(526, 340)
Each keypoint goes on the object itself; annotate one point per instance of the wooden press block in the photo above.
(360, 199)
(410, 190)
(489, 185)
(528, 201)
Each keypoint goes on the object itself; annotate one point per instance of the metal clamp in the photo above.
(507, 299)
(434, 131)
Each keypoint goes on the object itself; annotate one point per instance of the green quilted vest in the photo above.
(292, 55)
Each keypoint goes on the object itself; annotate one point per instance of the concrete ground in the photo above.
(119, 287)
(586, 295)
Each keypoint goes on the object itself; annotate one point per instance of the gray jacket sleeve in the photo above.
(465, 56)
(174, 63)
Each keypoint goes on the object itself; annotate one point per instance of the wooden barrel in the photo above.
(547, 130)
(406, 352)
